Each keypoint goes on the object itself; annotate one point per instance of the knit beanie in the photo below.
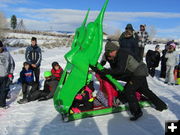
(173, 45)
(110, 46)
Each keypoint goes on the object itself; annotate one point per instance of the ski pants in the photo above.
(169, 74)
(141, 53)
(37, 74)
(140, 84)
(163, 70)
(28, 89)
(3, 91)
(151, 71)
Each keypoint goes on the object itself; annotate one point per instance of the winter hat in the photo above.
(55, 64)
(47, 74)
(173, 45)
(129, 26)
(169, 42)
(1, 44)
(111, 46)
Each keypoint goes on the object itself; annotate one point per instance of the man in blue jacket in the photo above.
(33, 56)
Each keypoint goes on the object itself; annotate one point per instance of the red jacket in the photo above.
(57, 73)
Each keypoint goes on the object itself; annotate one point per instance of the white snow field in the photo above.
(40, 118)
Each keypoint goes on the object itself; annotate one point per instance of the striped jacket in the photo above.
(33, 55)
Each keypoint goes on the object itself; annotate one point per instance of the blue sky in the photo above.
(162, 16)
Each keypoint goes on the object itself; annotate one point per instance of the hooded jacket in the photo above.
(57, 73)
(33, 55)
(129, 41)
(172, 58)
(27, 76)
(152, 58)
(6, 63)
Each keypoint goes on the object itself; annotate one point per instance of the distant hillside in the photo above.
(45, 39)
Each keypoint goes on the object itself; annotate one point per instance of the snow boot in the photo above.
(4, 107)
(136, 116)
(161, 107)
(22, 101)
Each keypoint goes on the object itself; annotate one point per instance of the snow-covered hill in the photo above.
(40, 118)
(47, 39)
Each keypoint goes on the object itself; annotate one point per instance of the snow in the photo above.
(40, 118)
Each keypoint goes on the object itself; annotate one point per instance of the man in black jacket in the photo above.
(33, 56)
(125, 67)
(129, 41)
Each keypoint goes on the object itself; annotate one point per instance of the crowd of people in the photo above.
(126, 64)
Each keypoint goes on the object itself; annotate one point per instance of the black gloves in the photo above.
(95, 69)
(10, 79)
(105, 71)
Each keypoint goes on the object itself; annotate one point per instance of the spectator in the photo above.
(129, 41)
(33, 56)
(143, 40)
(163, 61)
(56, 70)
(11, 77)
(28, 84)
(6, 74)
(172, 60)
(50, 86)
(152, 60)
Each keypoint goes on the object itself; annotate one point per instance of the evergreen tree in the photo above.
(13, 22)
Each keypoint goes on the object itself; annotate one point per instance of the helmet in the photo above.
(47, 74)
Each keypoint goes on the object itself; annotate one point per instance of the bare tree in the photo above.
(152, 32)
(115, 36)
(20, 26)
(3, 25)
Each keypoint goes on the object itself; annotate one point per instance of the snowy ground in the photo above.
(40, 118)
